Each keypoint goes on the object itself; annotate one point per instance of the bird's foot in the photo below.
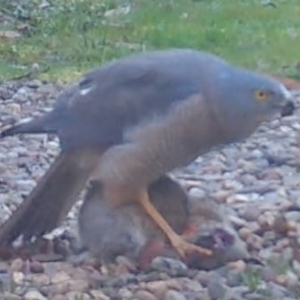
(185, 249)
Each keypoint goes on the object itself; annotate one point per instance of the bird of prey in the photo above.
(128, 231)
(132, 120)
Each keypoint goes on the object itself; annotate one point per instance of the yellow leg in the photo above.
(179, 244)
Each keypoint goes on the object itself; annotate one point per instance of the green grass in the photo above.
(72, 36)
(252, 279)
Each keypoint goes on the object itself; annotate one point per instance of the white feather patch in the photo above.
(84, 92)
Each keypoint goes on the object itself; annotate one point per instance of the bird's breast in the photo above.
(162, 144)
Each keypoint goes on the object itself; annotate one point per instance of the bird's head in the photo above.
(246, 99)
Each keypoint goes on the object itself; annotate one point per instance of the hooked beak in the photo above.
(287, 109)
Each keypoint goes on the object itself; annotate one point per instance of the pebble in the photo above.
(197, 192)
(217, 289)
(34, 295)
(125, 293)
(234, 278)
(60, 277)
(98, 295)
(39, 279)
(18, 277)
(10, 296)
(159, 288)
(36, 267)
(17, 265)
(169, 265)
(58, 297)
(174, 295)
(144, 295)
(203, 278)
(251, 213)
(76, 295)
(79, 285)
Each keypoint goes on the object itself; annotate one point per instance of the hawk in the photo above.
(132, 120)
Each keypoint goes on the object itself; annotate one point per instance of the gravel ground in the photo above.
(259, 179)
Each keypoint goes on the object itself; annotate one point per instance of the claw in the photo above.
(185, 249)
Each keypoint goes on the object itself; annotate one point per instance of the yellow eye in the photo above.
(260, 95)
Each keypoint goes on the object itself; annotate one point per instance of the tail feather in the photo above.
(43, 124)
(53, 197)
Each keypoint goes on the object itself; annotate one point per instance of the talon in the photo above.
(185, 248)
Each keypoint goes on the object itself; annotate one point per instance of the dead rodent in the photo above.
(108, 233)
(128, 231)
